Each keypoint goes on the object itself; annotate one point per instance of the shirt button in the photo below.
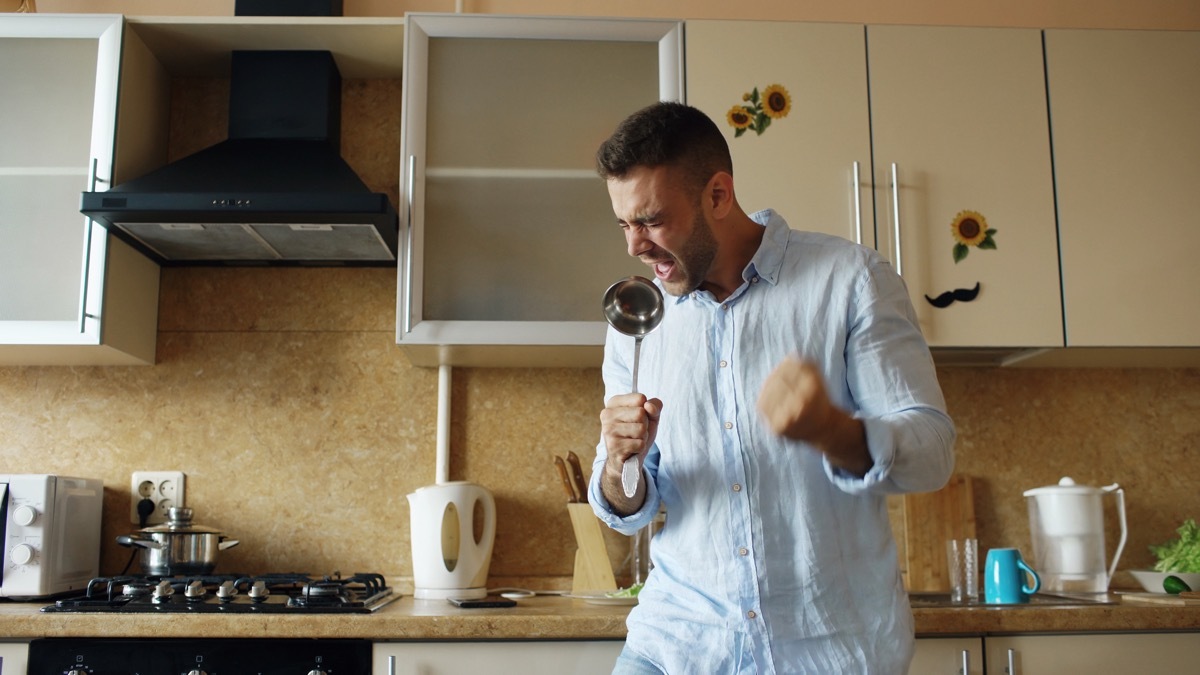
(743, 551)
(754, 279)
(751, 614)
(725, 306)
(724, 363)
(737, 487)
(729, 425)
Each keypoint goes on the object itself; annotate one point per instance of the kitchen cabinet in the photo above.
(955, 132)
(1119, 653)
(948, 656)
(508, 239)
(69, 293)
(1123, 108)
(593, 657)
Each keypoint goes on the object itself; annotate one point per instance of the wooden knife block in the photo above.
(593, 571)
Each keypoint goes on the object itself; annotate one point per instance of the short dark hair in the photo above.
(666, 134)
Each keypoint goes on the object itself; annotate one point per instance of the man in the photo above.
(786, 392)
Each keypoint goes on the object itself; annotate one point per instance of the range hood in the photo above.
(276, 192)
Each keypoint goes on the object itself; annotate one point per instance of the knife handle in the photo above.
(565, 479)
(581, 485)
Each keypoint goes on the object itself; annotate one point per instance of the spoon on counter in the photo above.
(634, 307)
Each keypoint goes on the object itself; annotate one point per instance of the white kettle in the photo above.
(1066, 523)
(448, 561)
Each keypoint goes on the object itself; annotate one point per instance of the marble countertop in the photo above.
(547, 618)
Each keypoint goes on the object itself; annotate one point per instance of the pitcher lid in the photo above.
(1068, 486)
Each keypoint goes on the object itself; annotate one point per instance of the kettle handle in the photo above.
(1120, 495)
(489, 522)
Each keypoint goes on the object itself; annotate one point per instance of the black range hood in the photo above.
(277, 191)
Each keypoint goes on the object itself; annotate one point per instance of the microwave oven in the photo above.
(51, 534)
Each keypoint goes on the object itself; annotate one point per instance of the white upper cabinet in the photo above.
(812, 164)
(508, 239)
(960, 113)
(1124, 106)
(69, 294)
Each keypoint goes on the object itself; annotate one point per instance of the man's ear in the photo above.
(720, 194)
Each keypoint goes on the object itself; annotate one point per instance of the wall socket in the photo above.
(164, 488)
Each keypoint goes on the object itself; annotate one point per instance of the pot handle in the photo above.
(228, 543)
(133, 542)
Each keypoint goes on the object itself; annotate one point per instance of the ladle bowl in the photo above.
(633, 306)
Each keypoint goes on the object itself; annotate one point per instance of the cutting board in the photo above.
(1181, 600)
(930, 519)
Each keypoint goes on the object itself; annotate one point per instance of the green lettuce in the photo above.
(631, 592)
(1181, 554)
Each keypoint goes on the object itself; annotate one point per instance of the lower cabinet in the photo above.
(948, 656)
(543, 657)
(1099, 654)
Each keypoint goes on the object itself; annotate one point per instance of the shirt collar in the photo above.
(768, 260)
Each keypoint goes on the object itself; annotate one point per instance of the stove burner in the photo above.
(283, 593)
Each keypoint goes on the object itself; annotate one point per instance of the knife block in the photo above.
(593, 571)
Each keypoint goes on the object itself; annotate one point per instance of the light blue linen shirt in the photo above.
(772, 560)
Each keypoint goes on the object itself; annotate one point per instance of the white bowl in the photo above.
(1153, 581)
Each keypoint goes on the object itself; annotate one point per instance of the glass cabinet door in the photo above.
(509, 239)
(57, 125)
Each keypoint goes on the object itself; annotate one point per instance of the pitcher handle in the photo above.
(1037, 581)
(1120, 495)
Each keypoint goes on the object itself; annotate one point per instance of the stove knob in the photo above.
(76, 671)
(197, 672)
(315, 671)
(21, 554)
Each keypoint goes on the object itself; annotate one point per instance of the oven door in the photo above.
(13, 657)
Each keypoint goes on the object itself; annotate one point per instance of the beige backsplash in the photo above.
(301, 427)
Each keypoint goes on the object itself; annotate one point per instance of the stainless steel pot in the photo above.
(177, 547)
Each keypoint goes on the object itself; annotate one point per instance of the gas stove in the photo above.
(269, 593)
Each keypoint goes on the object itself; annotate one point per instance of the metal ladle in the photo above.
(633, 306)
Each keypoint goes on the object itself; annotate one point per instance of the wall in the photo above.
(301, 426)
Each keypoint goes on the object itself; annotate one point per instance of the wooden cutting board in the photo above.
(1181, 600)
(930, 519)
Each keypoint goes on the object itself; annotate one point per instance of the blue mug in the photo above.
(1004, 577)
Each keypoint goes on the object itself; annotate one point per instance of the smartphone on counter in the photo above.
(476, 603)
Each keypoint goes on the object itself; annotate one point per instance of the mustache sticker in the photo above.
(957, 295)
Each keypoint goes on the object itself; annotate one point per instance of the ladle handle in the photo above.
(631, 470)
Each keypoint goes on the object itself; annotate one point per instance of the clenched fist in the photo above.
(794, 404)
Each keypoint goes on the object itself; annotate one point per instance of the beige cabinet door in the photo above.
(811, 165)
(594, 657)
(948, 656)
(1124, 107)
(1118, 654)
(961, 137)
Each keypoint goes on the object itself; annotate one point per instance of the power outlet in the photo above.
(163, 488)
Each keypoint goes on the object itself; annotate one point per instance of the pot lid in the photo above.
(179, 519)
(1067, 487)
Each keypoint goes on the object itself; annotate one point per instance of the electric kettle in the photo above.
(448, 560)
(1066, 523)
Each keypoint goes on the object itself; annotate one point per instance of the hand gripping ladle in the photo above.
(633, 306)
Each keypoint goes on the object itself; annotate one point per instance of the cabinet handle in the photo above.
(391, 665)
(896, 215)
(87, 250)
(857, 206)
(1012, 662)
(966, 662)
(408, 245)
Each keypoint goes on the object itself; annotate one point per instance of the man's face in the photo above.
(664, 227)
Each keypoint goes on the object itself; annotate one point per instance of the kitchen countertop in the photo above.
(547, 618)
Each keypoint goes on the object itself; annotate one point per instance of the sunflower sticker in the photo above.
(757, 110)
(970, 228)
